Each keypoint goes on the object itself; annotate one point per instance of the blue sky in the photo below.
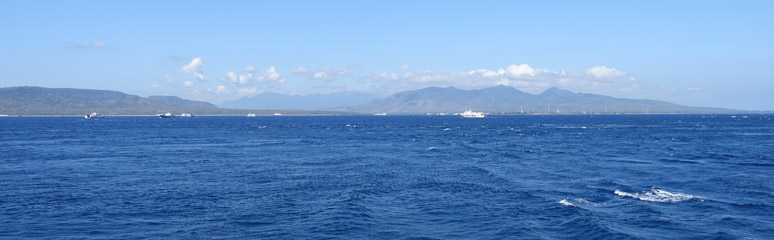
(700, 53)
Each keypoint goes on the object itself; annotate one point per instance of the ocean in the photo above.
(388, 177)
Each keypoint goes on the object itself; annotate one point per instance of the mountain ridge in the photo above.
(27, 100)
(508, 99)
(30, 100)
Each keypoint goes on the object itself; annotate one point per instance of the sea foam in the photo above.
(658, 195)
(566, 203)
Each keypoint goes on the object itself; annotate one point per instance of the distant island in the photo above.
(68, 101)
(504, 99)
(499, 99)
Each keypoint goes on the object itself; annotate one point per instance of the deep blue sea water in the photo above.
(391, 177)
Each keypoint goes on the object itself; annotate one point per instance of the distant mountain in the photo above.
(68, 101)
(509, 99)
(272, 100)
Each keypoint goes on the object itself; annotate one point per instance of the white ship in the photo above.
(166, 115)
(380, 114)
(251, 115)
(472, 114)
(93, 115)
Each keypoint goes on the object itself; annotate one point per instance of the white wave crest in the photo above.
(566, 202)
(658, 195)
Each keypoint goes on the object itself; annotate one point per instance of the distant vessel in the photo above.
(186, 115)
(166, 115)
(277, 114)
(93, 115)
(251, 115)
(472, 114)
(380, 114)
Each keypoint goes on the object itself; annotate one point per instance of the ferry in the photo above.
(186, 115)
(277, 114)
(251, 115)
(166, 115)
(380, 114)
(471, 114)
(93, 115)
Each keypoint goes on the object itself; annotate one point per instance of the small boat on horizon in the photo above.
(251, 115)
(471, 114)
(380, 114)
(166, 115)
(277, 114)
(93, 115)
(186, 115)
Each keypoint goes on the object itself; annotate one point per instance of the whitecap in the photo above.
(658, 195)
(566, 202)
(432, 148)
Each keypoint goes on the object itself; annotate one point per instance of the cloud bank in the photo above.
(252, 76)
(323, 74)
(596, 79)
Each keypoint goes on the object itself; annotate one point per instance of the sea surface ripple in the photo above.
(388, 177)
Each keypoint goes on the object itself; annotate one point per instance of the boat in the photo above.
(471, 114)
(277, 114)
(166, 115)
(93, 115)
(251, 115)
(186, 115)
(380, 114)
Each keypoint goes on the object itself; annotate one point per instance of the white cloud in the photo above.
(270, 76)
(323, 74)
(222, 90)
(405, 67)
(301, 71)
(604, 72)
(98, 44)
(598, 79)
(249, 91)
(155, 85)
(235, 78)
(194, 68)
(188, 84)
(519, 70)
(483, 73)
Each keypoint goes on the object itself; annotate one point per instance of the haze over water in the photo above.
(345, 177)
